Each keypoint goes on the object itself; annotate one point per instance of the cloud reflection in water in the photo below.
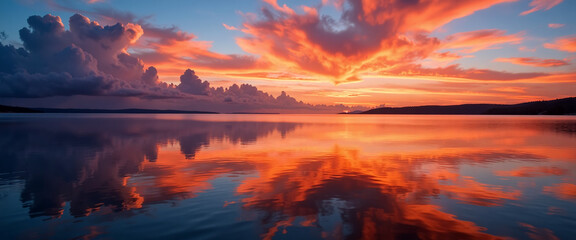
(340, 179)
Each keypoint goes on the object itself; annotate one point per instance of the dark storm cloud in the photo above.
(88, 59)
(191, 83)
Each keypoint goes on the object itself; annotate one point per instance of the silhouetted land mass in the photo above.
(133, 110)
(9, 109)
(353, 112)
(254, 113)
(565, 106)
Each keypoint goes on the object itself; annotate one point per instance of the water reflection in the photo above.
(323, 177)
(87, 162)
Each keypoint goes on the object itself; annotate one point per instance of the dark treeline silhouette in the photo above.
(131, 110)
(565, 106)
(10, 109)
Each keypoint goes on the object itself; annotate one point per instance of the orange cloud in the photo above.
(171, 50)
(284, 8)
(474, 41)
(229, 27)
(417, 15)
(385, 34)
(454, 71)
(444, 56)
(510, 89)
(556, 25)
(567, 44)
(535, 62)
(538, 5)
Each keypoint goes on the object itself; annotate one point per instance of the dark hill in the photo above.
(134, 111)
(565, 106)
(10, 109)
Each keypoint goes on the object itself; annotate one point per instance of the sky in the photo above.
(285, 55)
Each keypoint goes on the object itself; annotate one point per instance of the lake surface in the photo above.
(114, 176)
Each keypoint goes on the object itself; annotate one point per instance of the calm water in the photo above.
(286, 177)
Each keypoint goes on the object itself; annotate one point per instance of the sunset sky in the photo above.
(330, 52)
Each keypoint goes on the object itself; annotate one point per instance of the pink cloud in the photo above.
(284, 8)
(469, 42)
(454, 71)
(526, 49)
(567, 44)
(229, 27)
(336, 3)
(535, 62)
(556, 25)
(538, 5)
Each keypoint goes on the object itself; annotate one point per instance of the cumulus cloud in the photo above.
(369, 36)
(170, 49)
(538, 5)
(24, 84)
(190, 83)
(567, 44)
(235, 94)
(534, 62)
(52, 63)
(94, 48)
(92, 60)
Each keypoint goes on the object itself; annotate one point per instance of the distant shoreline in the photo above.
(565, 106)
(12, 109)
